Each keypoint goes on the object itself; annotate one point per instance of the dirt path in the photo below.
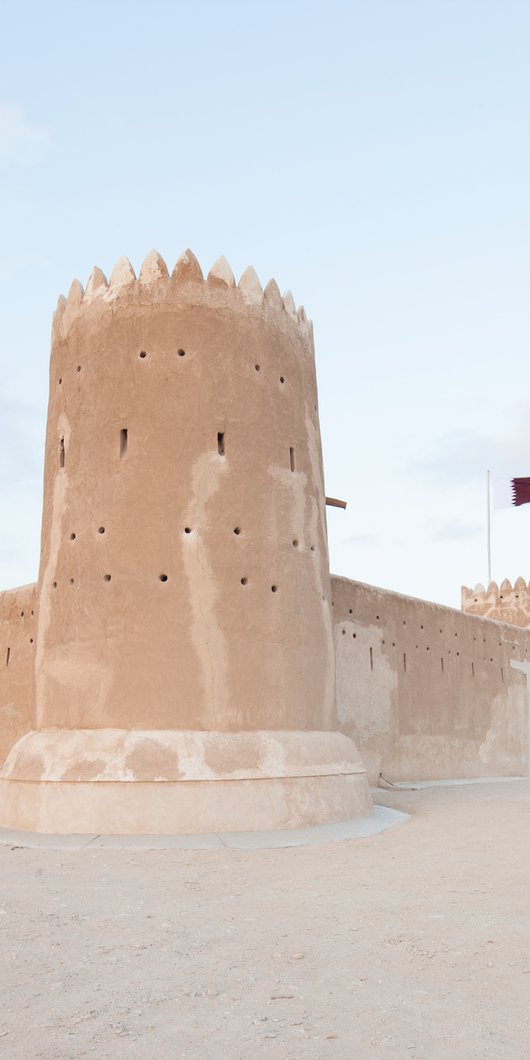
(411, 944)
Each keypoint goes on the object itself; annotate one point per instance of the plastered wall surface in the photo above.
(506, 603)
(428, 692)
(184, 579)
(17, 664)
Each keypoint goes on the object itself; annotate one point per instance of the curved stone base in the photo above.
(113, 781)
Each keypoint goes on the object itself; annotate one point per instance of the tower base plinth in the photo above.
(118, 782)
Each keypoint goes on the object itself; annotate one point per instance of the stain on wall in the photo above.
(428, 692)
(17, 664)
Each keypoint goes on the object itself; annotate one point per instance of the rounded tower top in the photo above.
(155, 285)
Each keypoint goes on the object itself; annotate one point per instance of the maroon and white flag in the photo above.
(510, 492)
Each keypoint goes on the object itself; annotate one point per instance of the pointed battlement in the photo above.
(505, 604)
(155, 283)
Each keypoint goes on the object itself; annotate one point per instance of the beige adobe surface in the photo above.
(426, 691)
(17, 664)
(411, 945)
(184, 662)
(509, 603)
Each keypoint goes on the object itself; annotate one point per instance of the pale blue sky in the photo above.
(373, 156)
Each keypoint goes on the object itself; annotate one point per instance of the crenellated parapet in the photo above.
(156, 284)
(505, 603)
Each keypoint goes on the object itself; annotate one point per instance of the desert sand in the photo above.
(414, 943)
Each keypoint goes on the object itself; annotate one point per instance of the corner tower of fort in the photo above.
(509, 603)
(184, 662)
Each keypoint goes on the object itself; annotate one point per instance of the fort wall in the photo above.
(427, 692)
(17, 664)
(509, 603)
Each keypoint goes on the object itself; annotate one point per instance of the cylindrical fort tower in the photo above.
(185, 677)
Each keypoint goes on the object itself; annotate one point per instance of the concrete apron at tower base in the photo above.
(112, 781)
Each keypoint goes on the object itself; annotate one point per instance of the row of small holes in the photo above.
(164, 578)
(180, 353)
(350, 611)
(354, 635)
(187, 530)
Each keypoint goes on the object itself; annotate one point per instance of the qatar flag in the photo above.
(510, 492)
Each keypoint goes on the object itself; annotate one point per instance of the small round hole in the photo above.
(162, 577)
(60, 382)
(274, 588)
(282, 380)
(22, 614)
(351, 611)
(72, 537)
(295, 542)
(71, 581)
(181, 353)
(78, 368)
(187, 529)
(344, 633)
(101, 529)
(32, 612)
(54, 585)
(312, 548)
(31, 640)
(257, 367)
(244, 581)
(237, 530)
(142, 354)
(354, 635)
(106, 577)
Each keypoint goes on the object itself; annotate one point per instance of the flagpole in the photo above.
(488, 492)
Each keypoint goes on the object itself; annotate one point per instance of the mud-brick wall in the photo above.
(17, 660)
(428, 692)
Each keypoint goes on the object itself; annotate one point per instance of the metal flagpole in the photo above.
(488, 491)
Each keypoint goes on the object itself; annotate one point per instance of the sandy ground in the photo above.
(414, 943)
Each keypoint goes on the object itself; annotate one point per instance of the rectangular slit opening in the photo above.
(291, 457)
(442, 662)
(7, 656)
(472, 669)
(221, 443)
(404, 663)
(61, 453)
(371, 658)
(123, 441)
(502, 674)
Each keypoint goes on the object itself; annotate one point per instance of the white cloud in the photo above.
(20, 142)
